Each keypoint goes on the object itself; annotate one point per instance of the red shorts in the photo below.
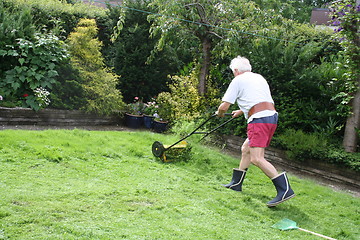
(261, 130)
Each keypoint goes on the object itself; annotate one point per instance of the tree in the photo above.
(346, 17)
(200, 26)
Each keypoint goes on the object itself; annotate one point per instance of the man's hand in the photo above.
(237, 113)
(220, 113)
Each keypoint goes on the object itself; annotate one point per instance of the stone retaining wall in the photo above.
(53, 117)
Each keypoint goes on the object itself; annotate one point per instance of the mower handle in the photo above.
(226, 114)
(194, 131)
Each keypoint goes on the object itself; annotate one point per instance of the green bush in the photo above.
(55, 14)
(97, 81)
(340, 157)
(14, 25)
(301, 146)
(296, 10)
(35, 69)
(183, 101)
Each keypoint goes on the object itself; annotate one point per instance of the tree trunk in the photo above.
(205, 65)
(353, 124)
(350, 141)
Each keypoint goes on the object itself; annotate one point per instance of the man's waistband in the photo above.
(261, 107)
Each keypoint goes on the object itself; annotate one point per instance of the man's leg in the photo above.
(239, 173)
(280, 181)
(245, 160)
(257, 158)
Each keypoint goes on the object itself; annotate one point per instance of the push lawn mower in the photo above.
(158, 149)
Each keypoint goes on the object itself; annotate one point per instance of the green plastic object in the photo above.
(285, 224)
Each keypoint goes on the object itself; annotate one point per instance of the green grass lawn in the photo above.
(77, 184)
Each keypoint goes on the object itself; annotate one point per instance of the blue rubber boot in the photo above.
(284, 191)
(237, 180)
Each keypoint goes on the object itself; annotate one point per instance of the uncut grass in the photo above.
(77, 184)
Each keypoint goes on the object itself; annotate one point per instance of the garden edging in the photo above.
(54, 117)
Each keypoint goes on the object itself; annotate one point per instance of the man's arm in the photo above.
(222, 109)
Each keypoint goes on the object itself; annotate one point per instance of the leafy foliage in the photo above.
(35, 67)
(18, 19)
(295, 10)
(129, 53)
(59, 16)
(98, 82)
(183, 100)
(67, 92)
(340, 157)
(14, 25)
(301, 146)
(345, 15)
(302, 83)
(199, 28)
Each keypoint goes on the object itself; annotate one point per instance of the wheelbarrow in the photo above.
(159, 150)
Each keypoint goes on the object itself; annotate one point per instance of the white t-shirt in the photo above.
(249, 89)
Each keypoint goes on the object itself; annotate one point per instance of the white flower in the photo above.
(42, 95)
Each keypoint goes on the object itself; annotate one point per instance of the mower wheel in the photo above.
(158, 149)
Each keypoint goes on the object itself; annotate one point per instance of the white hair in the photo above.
(242, 64)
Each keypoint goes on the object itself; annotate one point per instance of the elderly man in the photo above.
(252, 94)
